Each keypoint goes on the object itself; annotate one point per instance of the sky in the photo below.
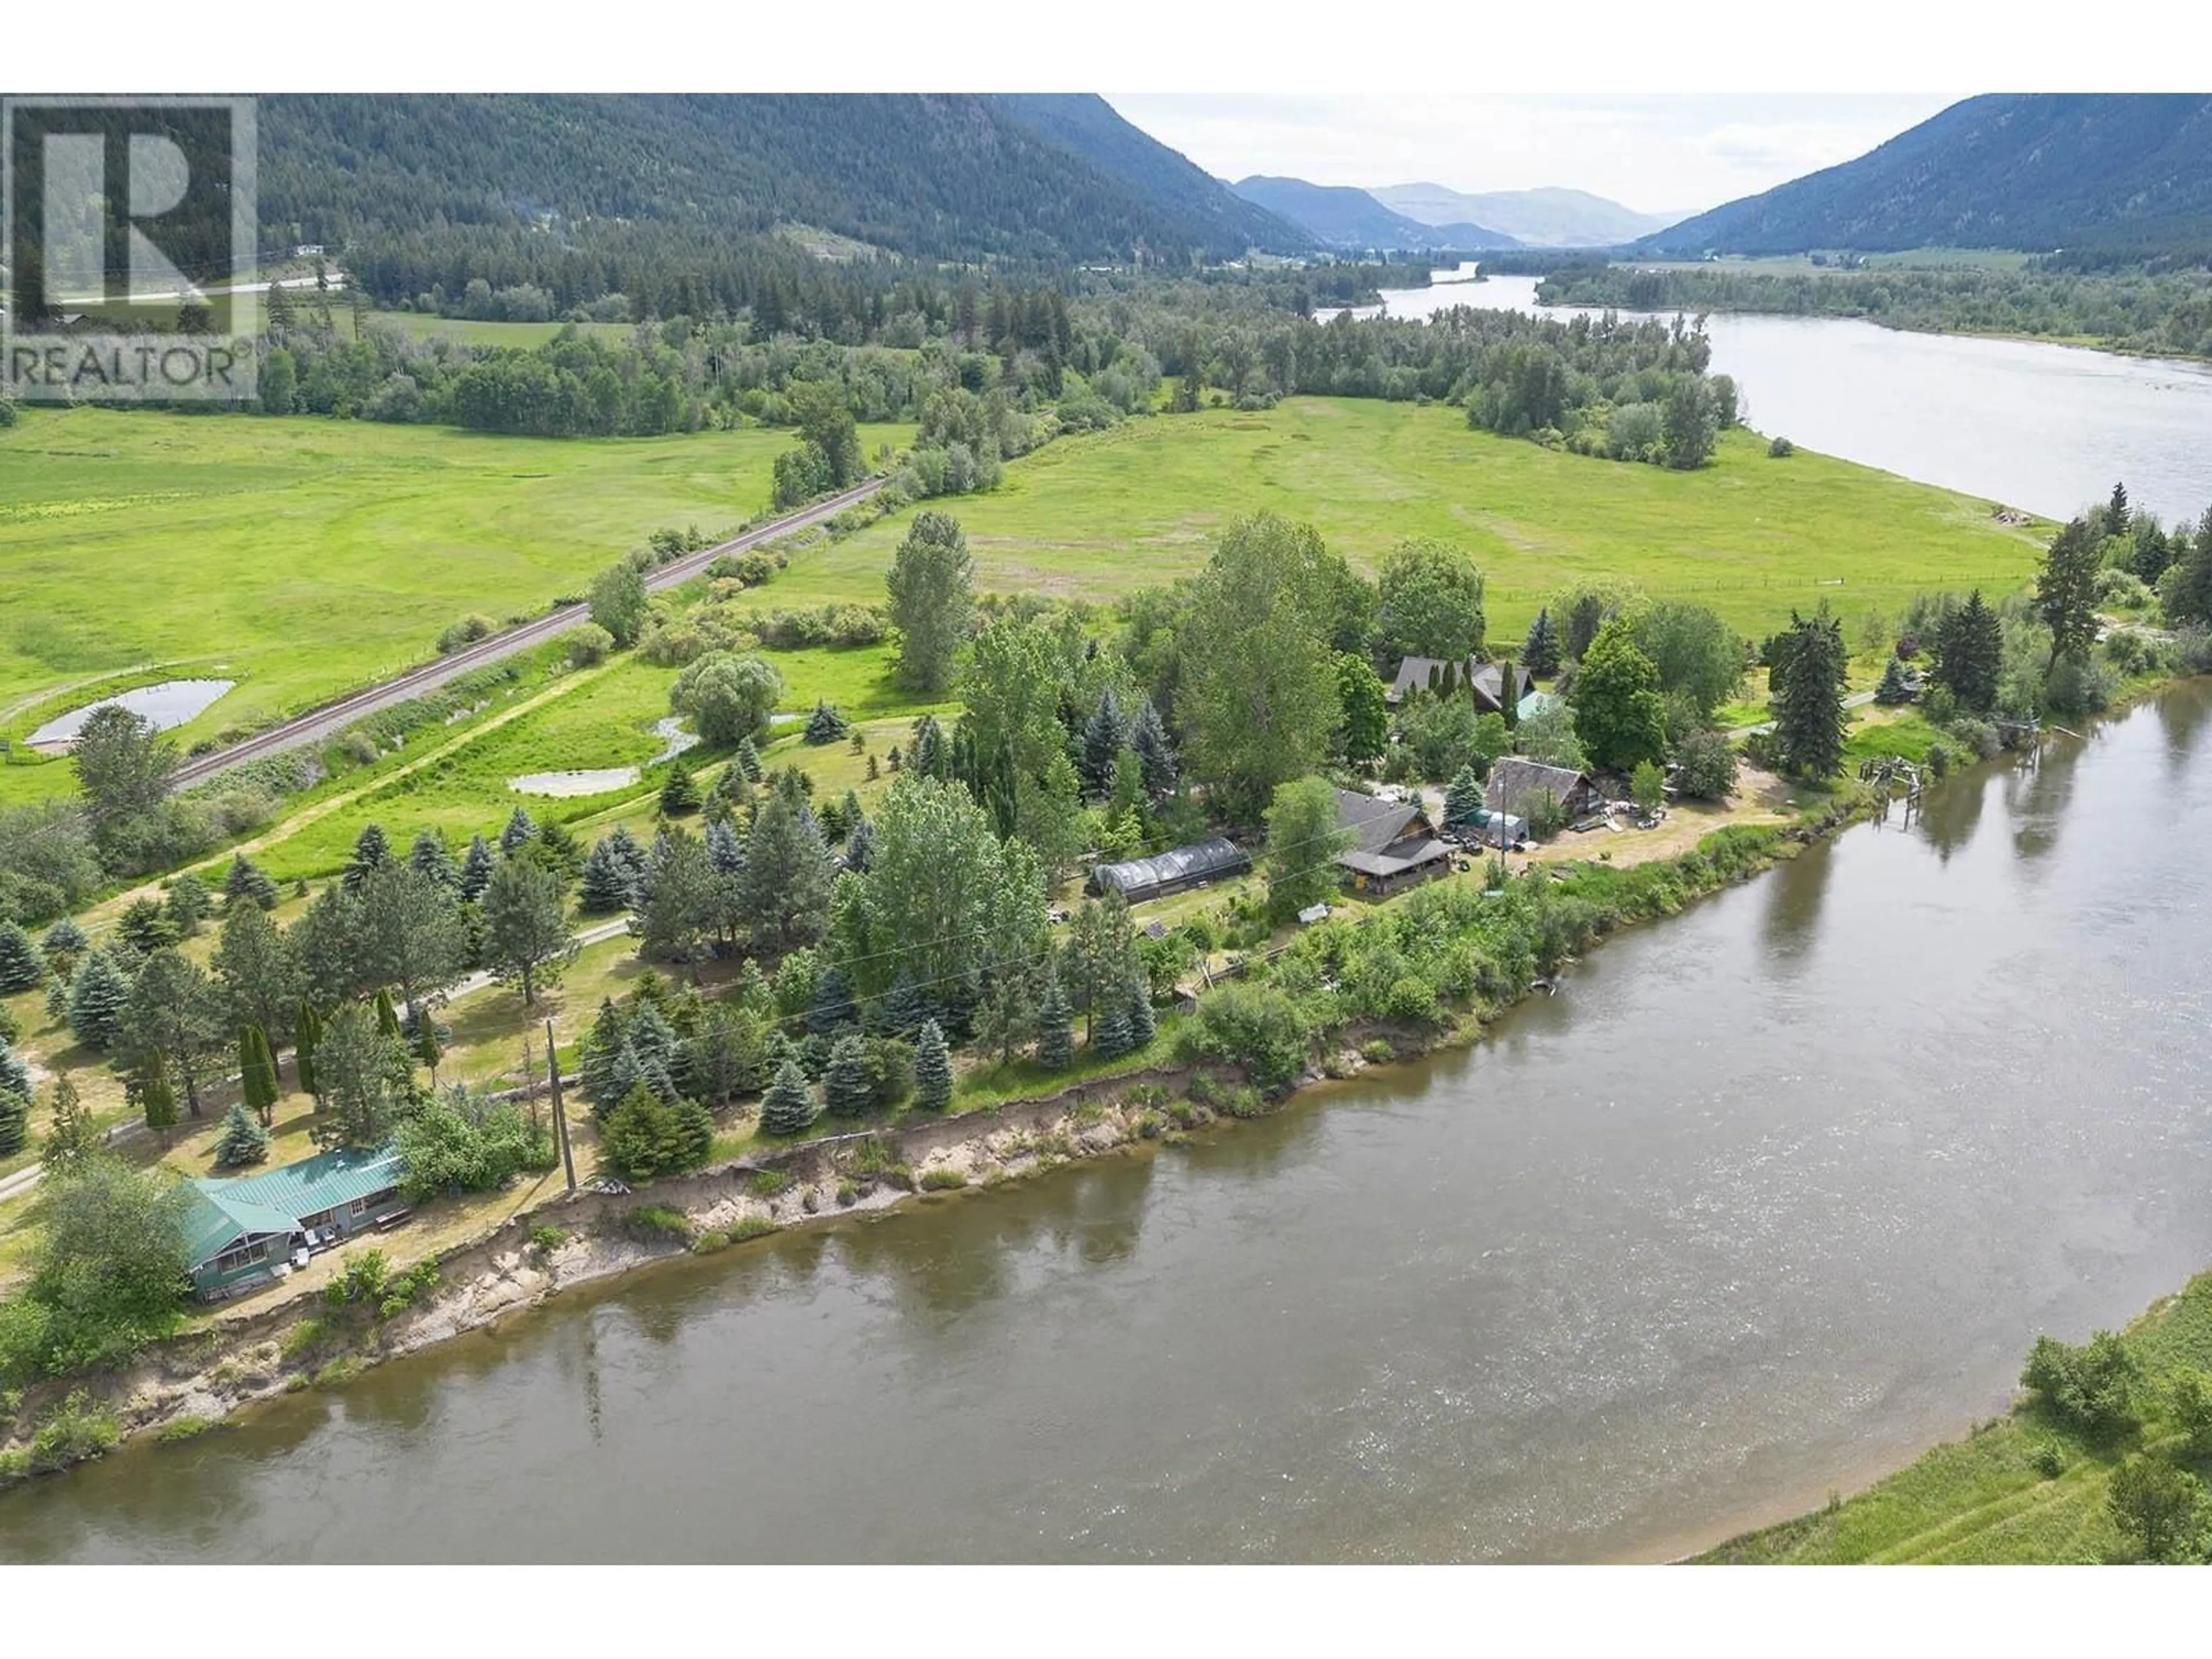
(1657, 153)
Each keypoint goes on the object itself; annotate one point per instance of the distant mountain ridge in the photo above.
(2035, 172)
(1550, 216)
(952, 176)
(1346, 218)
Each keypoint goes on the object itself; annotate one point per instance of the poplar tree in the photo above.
(257, 1072)
(307, 1032)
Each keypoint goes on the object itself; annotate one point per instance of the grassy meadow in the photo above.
(305, 557)
(423, 325)
(1750, 535)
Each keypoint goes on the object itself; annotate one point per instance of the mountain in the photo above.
(1089, 127)
(2029, 170)
(952, 176)
(1344, 217)
(1548, 217)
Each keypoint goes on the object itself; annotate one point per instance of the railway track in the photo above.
(317, 724)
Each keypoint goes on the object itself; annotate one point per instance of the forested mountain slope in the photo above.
(1346, 218)
(948, 176)
(2036, 172)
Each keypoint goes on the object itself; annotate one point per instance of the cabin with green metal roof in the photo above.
(239, 1231)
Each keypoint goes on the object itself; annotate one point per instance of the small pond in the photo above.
(169, 704)
(599, 781)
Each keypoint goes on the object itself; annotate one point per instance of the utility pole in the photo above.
(560, 1113)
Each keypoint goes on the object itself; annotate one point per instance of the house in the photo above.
(1539, 702)
(239, 1231)
(1514, 784)
(1394, 845)
(1484, 681)
(1172, 872)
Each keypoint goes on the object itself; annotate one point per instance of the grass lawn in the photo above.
(304, 557)
(1751, 537)
(2023, 1489)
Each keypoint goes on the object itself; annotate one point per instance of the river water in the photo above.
(2044, 428)
(1771, 1195)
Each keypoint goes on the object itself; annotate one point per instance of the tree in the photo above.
(307, 1032)
(789, 1106)
(146, 926)
(1149, 738)
(612, 872)
(64, 942)
(1055, 1029)
(1584, 618)
(411, 934)
(1105, 734)
(257, 971)
(1540, 652)
(1430, 602)
(932, 1069)
(245, 880)
(2185, 590)
(99, 999)
(2157, 1506)
(173, 1008)
(2091, 1387)
(619, 602)
(1647, 786)
(679, 793)
(2066, 590)
(1098, 957)
(846, 1086)
(1970, 654)
(71, 1138)
(367, 1081)
(519, 831)
(1708, 766)
(257, 1071)
(244, 1142)
(1359, 692)
(187, 905)
(1895, 688)
(476, 865)
(15, 1120)
(826, 421)
(782, 898)
(22, 967)
(1143, 1027)
(931, 583)
(526, 937)
(1259, 695)
(429, 857)
(2116, 511)
(825, 725)
(1304, 835)
(728, 698)
(1809, 717)
(125, 768)
(157, 1100)
(1697, 656)
(1464, 796)
(427, 1047)
(371, 851)
(645, 1135)
(109, 1271)
(1620, 716)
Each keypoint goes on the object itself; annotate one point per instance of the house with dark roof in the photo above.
(239, 1231)
(1514, 783)
(1172, 872)
(1394, 845)
(1483, 681)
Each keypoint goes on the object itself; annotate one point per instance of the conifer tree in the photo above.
(1143, 1026)
(1895, 688)
(605, 885)
(429, 857)
(789, 1106)
(519, 828)
(22, 966)
(726, 848)
(99, 998)
(371, 852)
(1105, 734)
(157, 1098)
(14, 1076)
(1810, 718)
(1540, 650)
(747, 761)
(903, 1007)
(860, 846)
(847, 1085)
(1148, 736)
(187, 904)
(245, 880)
(15, 1120)
(477, 866)
(1463, 797)
(426, 1044)
(932, 1069)
(834, 1008)
(388, 1016)
(1969, 654)
(679, 793)
(307, 1032)
(257, 1072)
(641, 1137)
(1056, 1040)
(601, 1046)
(243, 1142)
(71, 1137)
(1111, 1037)
(825, 724)
(65, 941)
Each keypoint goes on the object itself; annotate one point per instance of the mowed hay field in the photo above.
(1750, 535)
(304, 557)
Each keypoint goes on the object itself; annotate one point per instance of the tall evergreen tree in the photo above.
(99, 1000)
(1809, 717)
(257, 1072)
(1105, 734)
(157, 1100)
(932, 1069)
(519, 828)
(2116, 511)
(247, 880)
(2066, 590)
(2187, 594)
(847, 1085)
(1149, 738)
(187, 905)
(607, 885)
(833, 1009)
(1143, 1025)
(1111, 1038)
(258, 971)
(1055, 1023)
(307, 1032)
(1969, 654)
(371, 851)
(1540, 650)
(861, 844)
(243, 1142)
(1463, 797)
(1584, 620)
(429, 857)
(22, 967)
(476, 865)
(782, 896)
(1895, 688)
(789, 1106)
(388, 1015)
(15, 1120)
(679, 792)
(747, 761)
(726, 848)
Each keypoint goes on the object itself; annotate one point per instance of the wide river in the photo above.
(2046, 428)
(1769, 1197)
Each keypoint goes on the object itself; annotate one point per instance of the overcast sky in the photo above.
(1657, 153)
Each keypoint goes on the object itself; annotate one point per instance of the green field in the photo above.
(305, 557)
(1750, 536)
(2023, 1489)
(423, 325)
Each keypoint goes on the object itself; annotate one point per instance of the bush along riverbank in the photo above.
(1429, 970)
(2105, 1458)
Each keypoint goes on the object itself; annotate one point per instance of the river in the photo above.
(2044, 428)
(1771, 1195)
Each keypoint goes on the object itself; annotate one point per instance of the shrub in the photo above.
(942, 1179)
(2091, 1387)
(767, 1183)
(1378, 1051)
(751, 1226)
(1708, 766)
(546, 1239)
(77, 1431)
(306, 1336)
(708, 1242)
(466, 632)
(1781, 449)
(1410, 997)
(1257, 1027)
(653, 1224)
(589, 645)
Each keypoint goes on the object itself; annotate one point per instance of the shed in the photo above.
(1172, 872)
(238, 1230)
(1393, 844)
(1514, 782)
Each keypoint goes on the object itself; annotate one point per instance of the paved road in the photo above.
(23, 1180)
(319, 723)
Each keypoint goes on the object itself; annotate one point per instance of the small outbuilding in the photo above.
(1514, 783)
(1173, 871)
(239, 1231)
(1394, 845)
